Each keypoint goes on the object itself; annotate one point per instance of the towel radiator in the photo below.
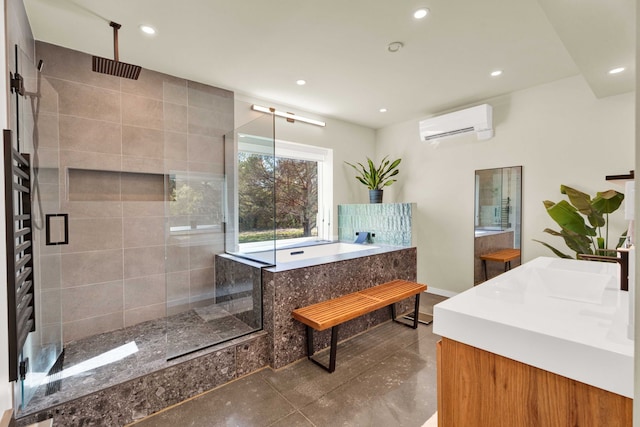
(20, 284)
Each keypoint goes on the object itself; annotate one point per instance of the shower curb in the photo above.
(181, 379)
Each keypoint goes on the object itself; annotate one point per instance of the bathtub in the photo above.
(293, 254)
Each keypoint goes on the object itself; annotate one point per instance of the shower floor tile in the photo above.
(103, 360)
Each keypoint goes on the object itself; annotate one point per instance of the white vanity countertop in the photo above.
(564, 316)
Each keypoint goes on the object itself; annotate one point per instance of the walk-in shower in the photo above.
(134, 194)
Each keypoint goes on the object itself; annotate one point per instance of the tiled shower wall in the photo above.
(391, 222)
(112, 145)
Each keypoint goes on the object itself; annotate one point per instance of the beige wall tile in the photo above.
(209, 123)
(48, 97)
(142, 142)
(205, 149)
(47, 159)
(93, 209)
(177, 258)
(93, 234)
(67, 64)
(201, 284)
(92, 326)
(48, 193)
(175, 117)
(50, 307)
(143, 314)
(140, 209)
(93, 185)
(210, 168)
(151, 84)
(175, 145)
(76, 99)
(51, 334)
(50, 271)
(178, 286)
(97, 136)
(143, 231)
(143, 187)
(99, 299)
(175, 92)
(88, 160)
(142, 165)
(143, 261)
(177, 307)
(201, 255)
(48, 130)
(91, 267)
(50, 173)
(173, 166)
(143, 112)
(209, 97)
(144, 291)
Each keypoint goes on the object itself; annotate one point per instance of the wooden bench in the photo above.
(332, 313)
(505, 256)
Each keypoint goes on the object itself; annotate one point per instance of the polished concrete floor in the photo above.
(384, 377)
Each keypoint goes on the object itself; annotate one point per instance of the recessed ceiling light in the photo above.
(301, 82)
(383, 110)
(496, 73)
(421, 13)
(393, 47)
(616, 70)
(147, 29)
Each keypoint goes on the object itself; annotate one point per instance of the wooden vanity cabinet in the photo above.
(477, 388)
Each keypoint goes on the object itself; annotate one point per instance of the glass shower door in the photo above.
(34, 119)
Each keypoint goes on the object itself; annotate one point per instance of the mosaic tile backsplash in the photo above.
(390, 222)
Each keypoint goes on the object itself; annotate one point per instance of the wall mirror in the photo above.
(498, 221)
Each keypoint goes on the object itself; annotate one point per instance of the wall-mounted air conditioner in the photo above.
(475, 119)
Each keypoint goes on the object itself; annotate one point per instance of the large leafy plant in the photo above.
(377, 177)
(590, 236)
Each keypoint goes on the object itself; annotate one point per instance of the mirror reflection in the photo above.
(498, 217)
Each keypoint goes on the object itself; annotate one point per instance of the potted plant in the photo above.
(580, 236)
(376, 177)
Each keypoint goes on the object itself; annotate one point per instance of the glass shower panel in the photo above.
(35, 118)
(250, 174)
(209, 298)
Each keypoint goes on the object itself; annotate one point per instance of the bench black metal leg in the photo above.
(309, 342)
(416, 312)
(332, 351)
(484, 269)
(416, 316)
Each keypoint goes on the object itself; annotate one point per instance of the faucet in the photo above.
(623, 260)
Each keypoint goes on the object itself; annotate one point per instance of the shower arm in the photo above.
(116, 27)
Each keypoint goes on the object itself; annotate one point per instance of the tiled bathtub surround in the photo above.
(391, 222)
(287, 290)
(121, 147)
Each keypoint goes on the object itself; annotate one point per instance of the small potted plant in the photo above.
(376, 177)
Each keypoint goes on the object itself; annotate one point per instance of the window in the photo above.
(300, 175)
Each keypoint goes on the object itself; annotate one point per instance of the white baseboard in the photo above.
(441, 292)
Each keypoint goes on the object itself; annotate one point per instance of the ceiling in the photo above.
(260, 48)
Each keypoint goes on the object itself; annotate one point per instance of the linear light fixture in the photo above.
(289, 116)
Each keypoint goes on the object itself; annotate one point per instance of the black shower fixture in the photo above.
(113, 66)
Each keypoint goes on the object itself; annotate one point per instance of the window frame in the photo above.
(297, 151)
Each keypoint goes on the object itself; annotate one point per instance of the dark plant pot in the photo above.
(375, 196)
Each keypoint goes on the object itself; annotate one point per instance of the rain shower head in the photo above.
(113, 66)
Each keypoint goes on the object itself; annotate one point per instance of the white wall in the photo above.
(6, 401)
(348, 141)
(559, 132)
